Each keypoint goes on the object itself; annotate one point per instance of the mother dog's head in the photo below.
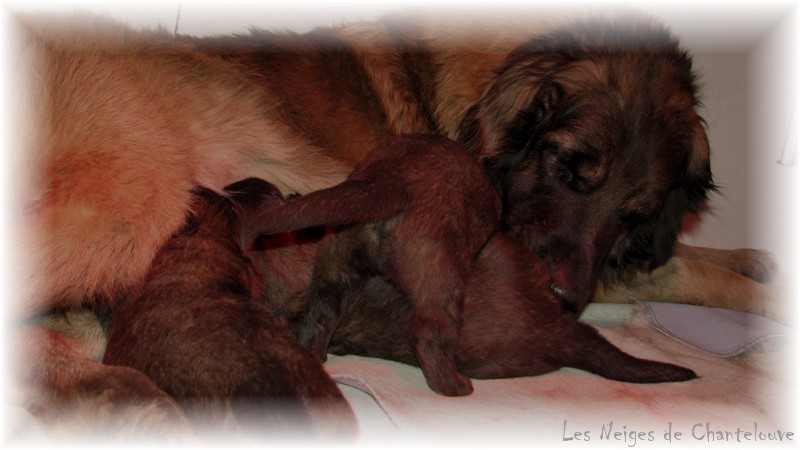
(592, 137)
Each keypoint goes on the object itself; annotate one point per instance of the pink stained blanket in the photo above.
(743, 399)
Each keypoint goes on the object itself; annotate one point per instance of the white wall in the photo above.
(748, 101)
(723, 92)
(773, 106)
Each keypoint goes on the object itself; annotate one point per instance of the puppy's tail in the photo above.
(351, 202)
(597, 355)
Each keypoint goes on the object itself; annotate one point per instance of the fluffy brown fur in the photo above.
(119, 126)
(197, 331)
(416, 248)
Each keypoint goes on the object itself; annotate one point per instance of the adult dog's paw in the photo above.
(114, 383)
(126, 401)
(756, 264)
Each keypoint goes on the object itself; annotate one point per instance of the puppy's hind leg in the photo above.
(590, 351)
(435, 284)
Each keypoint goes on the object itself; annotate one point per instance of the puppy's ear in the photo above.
(253, 193)
(247, 197)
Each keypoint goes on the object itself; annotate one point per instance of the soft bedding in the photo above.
(743, 397)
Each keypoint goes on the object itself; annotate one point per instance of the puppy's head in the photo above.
(591, 136)
(249, 196)
(217, 213)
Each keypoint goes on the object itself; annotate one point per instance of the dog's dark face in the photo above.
(592, 138)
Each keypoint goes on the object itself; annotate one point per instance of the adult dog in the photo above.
(588, 130)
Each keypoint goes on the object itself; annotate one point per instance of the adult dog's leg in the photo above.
(756, 264)
(61, 386)
(698, 282)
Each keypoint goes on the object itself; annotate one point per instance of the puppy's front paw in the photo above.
(455, 385)
(439, 367)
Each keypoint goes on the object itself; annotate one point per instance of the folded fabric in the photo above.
(721, 332)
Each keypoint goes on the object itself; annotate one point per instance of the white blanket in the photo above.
(740, 399)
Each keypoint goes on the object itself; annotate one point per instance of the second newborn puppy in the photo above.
(427, 250)
(199, 330)
(424, 233)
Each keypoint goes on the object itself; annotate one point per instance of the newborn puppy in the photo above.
(416, 271)
(512, 326)
(197, 331)
(423, 233)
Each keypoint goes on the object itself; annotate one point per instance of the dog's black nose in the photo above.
(558, 290)
(568, 303)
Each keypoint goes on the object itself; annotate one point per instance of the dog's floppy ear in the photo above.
(471, 131)
(505, 125)
(688, 197)
(651, 244)
(524, 85)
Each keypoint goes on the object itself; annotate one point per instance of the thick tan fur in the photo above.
(131, 122)
(709, 277)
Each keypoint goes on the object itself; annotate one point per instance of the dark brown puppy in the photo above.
(197, 332)
(512, 325)
(409, 228)
(441, 253)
